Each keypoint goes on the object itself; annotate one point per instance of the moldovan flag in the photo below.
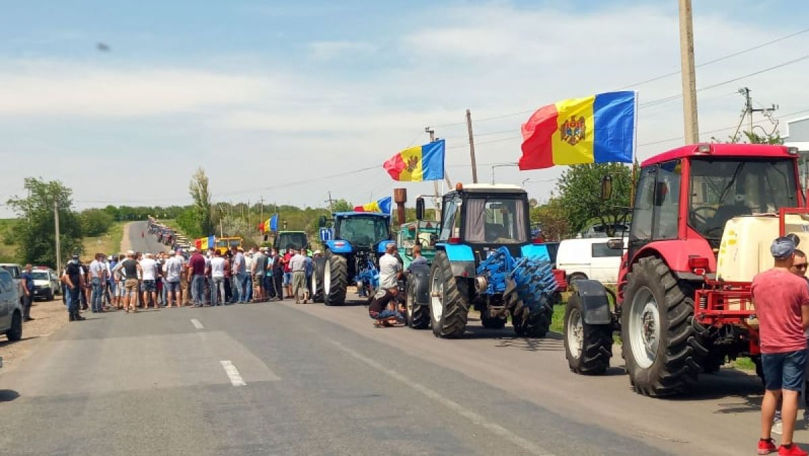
(419, 163)
(381, 205)
(595, 129)
(274, 222)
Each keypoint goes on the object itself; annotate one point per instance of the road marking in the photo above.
(197, 324)
(233, 373)
(452, 405)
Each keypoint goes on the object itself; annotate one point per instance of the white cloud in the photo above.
(328, 50)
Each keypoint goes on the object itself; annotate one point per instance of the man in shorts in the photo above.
(781, 300)
(172, 275)
(149, 267)
(131, 271)
(297, 265)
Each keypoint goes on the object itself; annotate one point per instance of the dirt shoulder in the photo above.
(48, 318)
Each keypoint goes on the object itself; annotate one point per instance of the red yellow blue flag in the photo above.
(595, 129)
(381, 205)
(420, 163)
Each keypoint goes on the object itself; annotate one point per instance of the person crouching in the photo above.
(386, 308)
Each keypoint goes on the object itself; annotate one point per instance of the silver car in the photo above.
(10, 307)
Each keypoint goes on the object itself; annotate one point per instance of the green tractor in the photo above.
(423, 233)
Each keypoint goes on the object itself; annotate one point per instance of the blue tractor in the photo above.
(353, 245)
(485, 259)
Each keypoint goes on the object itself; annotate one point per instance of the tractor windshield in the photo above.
(496, 220)
(292, 241)
(725, 188)
(362, 230)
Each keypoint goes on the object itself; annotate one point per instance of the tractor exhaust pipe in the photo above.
(400, 198)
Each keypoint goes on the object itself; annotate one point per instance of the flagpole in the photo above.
(634, 154)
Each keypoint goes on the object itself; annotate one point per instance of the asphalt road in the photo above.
(144, 243)
(280, 378)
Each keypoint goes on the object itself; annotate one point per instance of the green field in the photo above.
(108, 243)
(8, 251)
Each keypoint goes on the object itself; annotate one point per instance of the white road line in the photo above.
(233, 373)
(197, 324)
(479, 420)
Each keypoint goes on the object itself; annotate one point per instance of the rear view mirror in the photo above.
(321, 222)
(615, 244)
(419, 208)
(606, 187)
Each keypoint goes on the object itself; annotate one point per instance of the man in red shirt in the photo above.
(196, 270)
(781, 300)
(288, 272)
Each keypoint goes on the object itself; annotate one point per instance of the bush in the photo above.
(95, 222)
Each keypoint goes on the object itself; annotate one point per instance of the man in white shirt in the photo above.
(173, 270)
(298, 266)
(149, 286)
(217, 279)
(389, 268)
(97, 270)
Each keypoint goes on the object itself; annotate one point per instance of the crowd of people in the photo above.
(137, 280)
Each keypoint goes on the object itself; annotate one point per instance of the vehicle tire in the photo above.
(491, 322)
(448, 307)
(49, 296)
(655, 329)
(759, 368)
(418, 317)
(15, 332)
(588, 348)
(537, 324)
(335, 280)
(318, 265)
(576, 276)
(712, 363)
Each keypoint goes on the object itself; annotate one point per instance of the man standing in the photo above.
(74, 280)
(97, 282)
(308, 269)
(781, 300)
(149, 267)
(131, 273)
(297, 265)
(389, 268)
(288, 271)
(196, 270)
(28, 292)
(248, 275)
(217, 279)
(258, 270)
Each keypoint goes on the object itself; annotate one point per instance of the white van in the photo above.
(589, 259)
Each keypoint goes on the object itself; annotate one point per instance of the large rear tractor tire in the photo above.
(448, 307)
(418, 316)
(319, 264)
(335, 280)
(588, 348)
(655, 329)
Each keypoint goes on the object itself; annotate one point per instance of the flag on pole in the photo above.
(273, 222)
(381, 205)
(595, 129)
(420, 163)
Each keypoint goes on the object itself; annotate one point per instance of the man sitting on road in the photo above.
(386, 308)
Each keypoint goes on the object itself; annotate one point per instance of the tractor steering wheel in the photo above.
(697, 218)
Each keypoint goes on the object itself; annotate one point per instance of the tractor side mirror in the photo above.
(321, 222)
(419, 208)
(606, 187)
(615, 244)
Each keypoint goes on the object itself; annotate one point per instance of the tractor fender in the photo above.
(535, 251)
(420, 277)
(461, 259)
(595, 302)
(383, 245)
(339, 246)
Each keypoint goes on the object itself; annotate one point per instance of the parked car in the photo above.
(16, 276)
(10, 307)
(589, 259)
(46, 283)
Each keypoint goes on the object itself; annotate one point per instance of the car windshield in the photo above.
(40, 275)
(496, 220)
(362, 230)
(725, 188)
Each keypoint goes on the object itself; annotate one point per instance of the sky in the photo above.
(288, 101)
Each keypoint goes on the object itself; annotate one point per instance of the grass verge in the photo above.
(108, 243)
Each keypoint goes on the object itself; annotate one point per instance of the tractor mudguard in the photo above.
(339, 246)
(461, 259)
(536, 251)
(420, 276)
(595, 302)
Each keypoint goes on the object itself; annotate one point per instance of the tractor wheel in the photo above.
(15, 332)
(588, 348)
(491, 322)
(712, 363)
(759, 368)
(655, 328)
(418, 317)
(448, 307)
(318, 265)
(575, 277)
(335, 280)
(537, 324)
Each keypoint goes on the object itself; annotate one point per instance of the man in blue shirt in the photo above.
(28, 292)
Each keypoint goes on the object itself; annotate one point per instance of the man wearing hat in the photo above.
(781, 300)
(74, 279)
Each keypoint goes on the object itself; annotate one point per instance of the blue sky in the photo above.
(265, 94)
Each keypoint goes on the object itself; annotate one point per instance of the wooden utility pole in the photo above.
(56, 229)
(331, 204)
(688, 73)
(472, 147)
(261, 218)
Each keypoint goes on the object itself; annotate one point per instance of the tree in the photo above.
(342, 205)
(552, 218)
(579, 190)
(202, 201)
(34, 234)
(95, 222)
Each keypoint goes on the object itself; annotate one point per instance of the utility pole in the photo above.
(688, 73)
(431, 132)
(472, 147)
(749, 110)
(261, 219)
(56, 229)
(331, 203)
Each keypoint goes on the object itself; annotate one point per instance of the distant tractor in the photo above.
(485, 259)
(423, 233)
(224, 244)
(702, 222)
(353, 245)
(295, 240)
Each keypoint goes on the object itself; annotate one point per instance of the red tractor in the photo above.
(702, 222)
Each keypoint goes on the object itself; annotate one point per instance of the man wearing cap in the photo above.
(74, 279)
(781, 300)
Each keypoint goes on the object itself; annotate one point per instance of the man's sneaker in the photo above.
(777, 426)
(766, 446)
(791, 450)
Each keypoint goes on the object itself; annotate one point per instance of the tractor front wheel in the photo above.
(588, 348)
(655, 328)
(418, 316)
(448, 307)
(318, 266)
(335, 280)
